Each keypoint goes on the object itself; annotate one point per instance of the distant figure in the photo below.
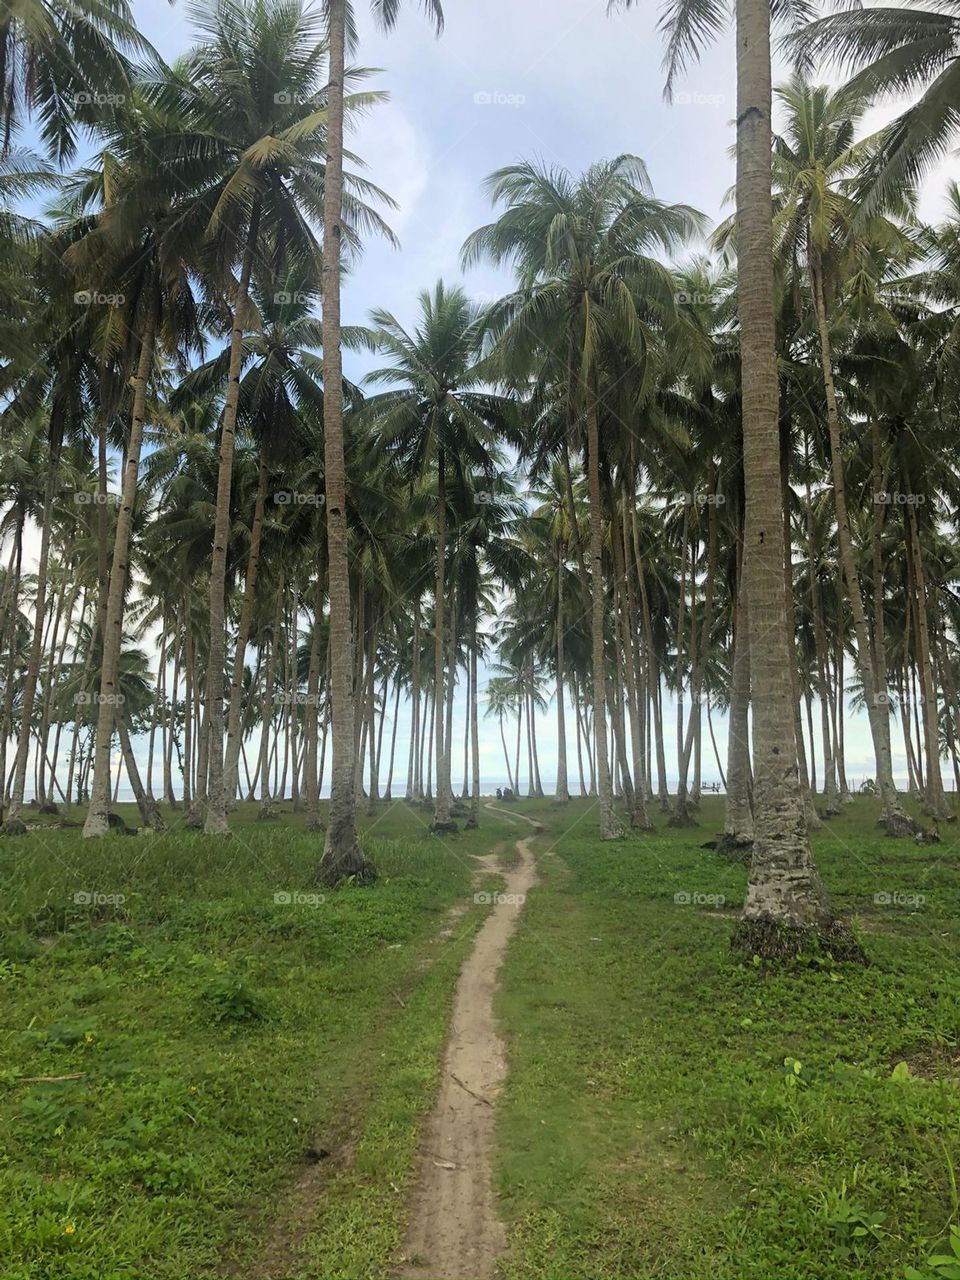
(499, 793)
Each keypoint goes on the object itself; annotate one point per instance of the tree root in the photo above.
(352, 864)
(783, 940)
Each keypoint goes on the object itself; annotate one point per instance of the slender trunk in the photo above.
(441, 819)
(216, 790)
(232, 758)
(312, 779)
(388, 794)
(149, 811)
(98, 815)
(936, 802)
(892, 814)
(785, 899)
(342, 855)
(562, 791)
(610, 828)
(14, 824)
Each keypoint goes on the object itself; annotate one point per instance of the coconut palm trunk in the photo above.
(231, 768)
(563, 793)
(441, 818)
(935, 800)
(98, 815)
(786, 903)
(14, 824)
(474, 819)
(215, 821)
(610, 828)
(312, 717)
(342, 855)
(892, 814)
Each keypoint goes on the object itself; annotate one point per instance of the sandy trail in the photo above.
(454, 1232)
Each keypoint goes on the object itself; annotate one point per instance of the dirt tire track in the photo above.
(454, 1230)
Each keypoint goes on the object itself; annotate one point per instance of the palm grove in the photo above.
(666, 473)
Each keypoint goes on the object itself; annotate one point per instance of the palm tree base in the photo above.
(735, 847)
(351, 864)
(443, 828)
(899, 825)
(784, 939)
(682, 817)
(14, 827)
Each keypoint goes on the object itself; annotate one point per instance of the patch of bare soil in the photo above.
(454, 1230)
(328, 1156)
(935, 1062)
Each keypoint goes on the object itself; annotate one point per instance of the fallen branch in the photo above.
(75, 1075)
(479, 1096)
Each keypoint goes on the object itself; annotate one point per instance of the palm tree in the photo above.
(815, 158)
(67, 64)
(899, 51)
(438, 417)
(135, 244)
(786, 904)
(342, 855)
(255, 87)
(589, 289)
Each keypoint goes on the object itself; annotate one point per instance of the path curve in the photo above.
(454, 1230)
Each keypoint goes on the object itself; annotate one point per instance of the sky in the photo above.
(564, 83)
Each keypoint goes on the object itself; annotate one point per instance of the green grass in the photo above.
(218, 1032)
(671, 1112)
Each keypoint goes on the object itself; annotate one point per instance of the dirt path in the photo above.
(454, 1231)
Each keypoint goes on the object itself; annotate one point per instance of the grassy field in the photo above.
(669, 1111)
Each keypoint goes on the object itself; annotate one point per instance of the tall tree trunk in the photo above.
(441, 817)
(892, 814)
(935, 800)
(562, 791)
(738, 810)
(215, 820)
(388, 794)
(342, 855)
(312, 778)
(149, 811)
(474, 819)
(232, 754)
(610, 828)
(98, 815)
(14, 824)
(785, 901)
